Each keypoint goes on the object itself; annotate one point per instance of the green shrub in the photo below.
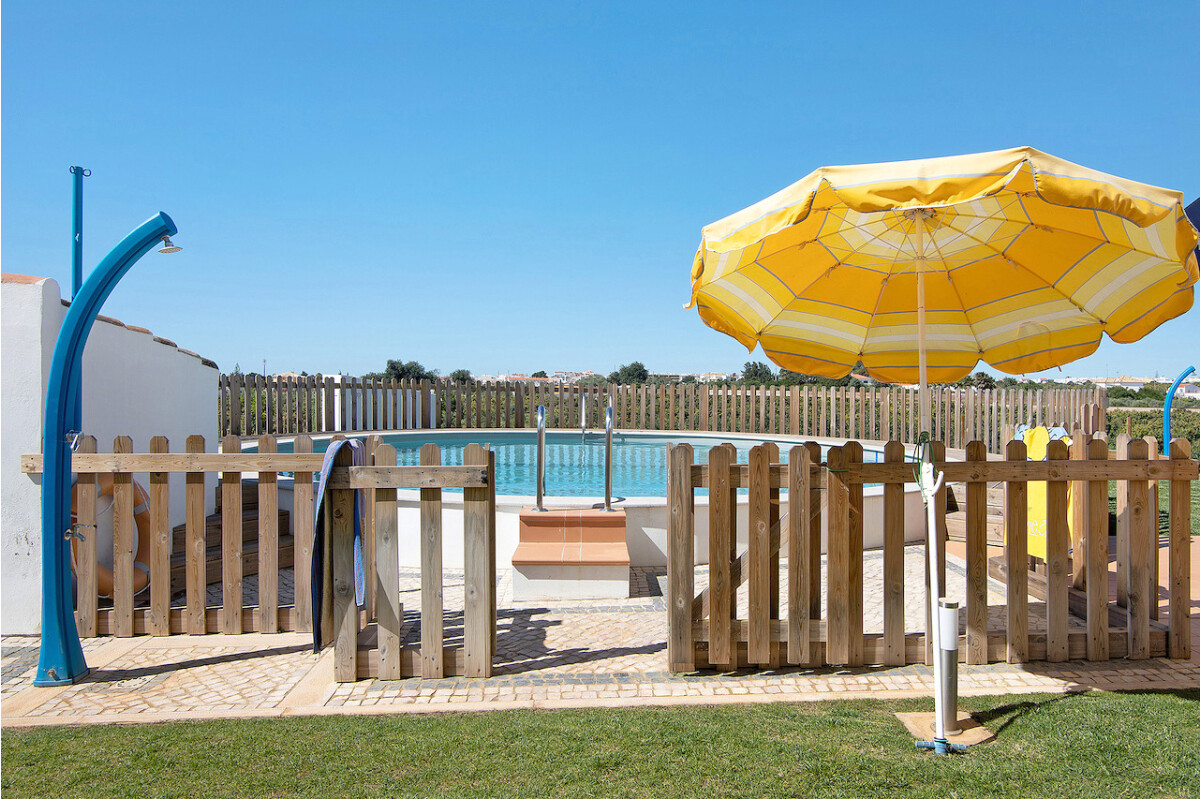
(1184, 424)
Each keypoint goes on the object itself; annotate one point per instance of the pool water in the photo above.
(574, 462)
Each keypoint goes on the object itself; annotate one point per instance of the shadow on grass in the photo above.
(1010, 713)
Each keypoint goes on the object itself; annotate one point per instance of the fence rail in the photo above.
(705, 631)
(256, 405)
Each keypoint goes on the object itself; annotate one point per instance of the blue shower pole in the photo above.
(78, 173)
(1166, 439)
(60, 660)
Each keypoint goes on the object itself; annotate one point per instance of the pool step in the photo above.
(213, 547)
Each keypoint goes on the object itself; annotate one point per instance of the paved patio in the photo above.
(549, 655)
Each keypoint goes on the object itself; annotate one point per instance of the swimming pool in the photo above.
(574, 462)
(575, 479)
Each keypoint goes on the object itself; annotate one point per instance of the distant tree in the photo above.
(591, 380)
(1154, 391)
(688, 379)
(410, 370)
(630, 374)
(539, 373)
(977, 380)
(757, 372)
(460, 375)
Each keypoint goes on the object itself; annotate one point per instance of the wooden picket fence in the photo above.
(256, 405)
(705, 631)
(246, 537)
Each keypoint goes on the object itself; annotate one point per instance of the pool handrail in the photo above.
(541, 458)
(608, 433)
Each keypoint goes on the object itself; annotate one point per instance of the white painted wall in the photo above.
(134, 384)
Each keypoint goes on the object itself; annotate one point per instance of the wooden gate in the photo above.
(369, 643)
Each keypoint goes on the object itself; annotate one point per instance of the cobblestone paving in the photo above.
(568, 654)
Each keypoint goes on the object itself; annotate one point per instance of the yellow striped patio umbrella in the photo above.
(920, 269)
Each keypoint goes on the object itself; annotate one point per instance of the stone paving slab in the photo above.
(549, 655)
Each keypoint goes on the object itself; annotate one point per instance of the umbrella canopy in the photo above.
(1023, 260)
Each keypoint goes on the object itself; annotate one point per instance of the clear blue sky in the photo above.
(513, 187)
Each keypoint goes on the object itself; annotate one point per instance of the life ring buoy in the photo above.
(104, 535)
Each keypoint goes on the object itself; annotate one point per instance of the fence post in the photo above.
(478, 586)
(1180, 569)
(345, 609)
(681, 560)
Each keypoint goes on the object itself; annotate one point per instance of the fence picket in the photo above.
(977, 600)
(159, 621)
(1016, 544)
(87, 598)
(1057, 577)
(268, 544)
(302, 546)
(681, 648)
(1143, 547)
(231, 544)
(799, 547)
(837, 504)
(389, 612)
(431, 571)
(1096, 552)
(123, 526)
(1179, 581)
(721, 542)
(893, 562)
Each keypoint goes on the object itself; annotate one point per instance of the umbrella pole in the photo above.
(918, 217)
(929, 488)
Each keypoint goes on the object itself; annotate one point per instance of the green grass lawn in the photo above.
(1060, 746)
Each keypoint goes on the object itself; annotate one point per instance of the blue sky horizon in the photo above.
(513, 189)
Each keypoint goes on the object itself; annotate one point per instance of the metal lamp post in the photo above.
(60, 661)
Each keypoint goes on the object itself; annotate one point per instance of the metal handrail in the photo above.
(541, 457)
(608, 430)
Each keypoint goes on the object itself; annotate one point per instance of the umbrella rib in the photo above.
(953, 286)
(882, 287)
(1020, 199)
